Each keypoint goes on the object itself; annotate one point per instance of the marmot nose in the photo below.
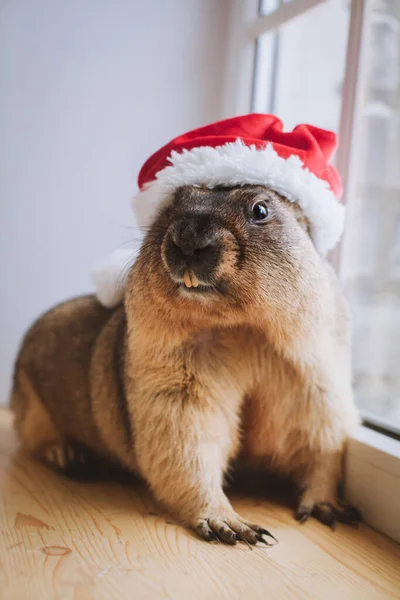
(194, 238)
(193, 244)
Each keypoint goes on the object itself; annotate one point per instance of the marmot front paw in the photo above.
(329, 513)
(231, 530)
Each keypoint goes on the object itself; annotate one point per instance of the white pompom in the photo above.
(109, 277)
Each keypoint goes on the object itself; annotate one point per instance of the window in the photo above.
(370, 262)
(336, 64)
(294, 58)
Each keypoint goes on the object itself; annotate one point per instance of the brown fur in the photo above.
(176, 386)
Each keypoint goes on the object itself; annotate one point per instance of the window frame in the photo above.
(372, 458)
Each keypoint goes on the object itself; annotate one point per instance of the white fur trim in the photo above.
(237, 164)
(110, 275)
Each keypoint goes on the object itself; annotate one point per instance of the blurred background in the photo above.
(90, 88)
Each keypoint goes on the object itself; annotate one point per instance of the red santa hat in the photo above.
(252, 149)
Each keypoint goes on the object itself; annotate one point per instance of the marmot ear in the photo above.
(305, 223)
(109, 277)
(300, 218)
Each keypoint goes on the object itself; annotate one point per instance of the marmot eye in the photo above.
(260, 212)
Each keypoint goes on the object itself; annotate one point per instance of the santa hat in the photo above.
(252, 149)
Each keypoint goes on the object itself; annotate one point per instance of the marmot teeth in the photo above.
(187, 279)
(190, 279)
(195, 281)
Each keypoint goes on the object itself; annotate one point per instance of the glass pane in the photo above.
(371, 249)
(300, 68)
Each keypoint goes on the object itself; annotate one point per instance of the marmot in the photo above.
(232, 344)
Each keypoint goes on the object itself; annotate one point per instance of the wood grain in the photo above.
(65, 540)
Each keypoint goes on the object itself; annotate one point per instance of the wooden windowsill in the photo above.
(100, 541)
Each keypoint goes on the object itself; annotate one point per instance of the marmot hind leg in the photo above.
(38, 433)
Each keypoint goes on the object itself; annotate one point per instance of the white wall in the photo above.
(88, 89)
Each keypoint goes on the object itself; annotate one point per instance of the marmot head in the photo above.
(228, 255)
